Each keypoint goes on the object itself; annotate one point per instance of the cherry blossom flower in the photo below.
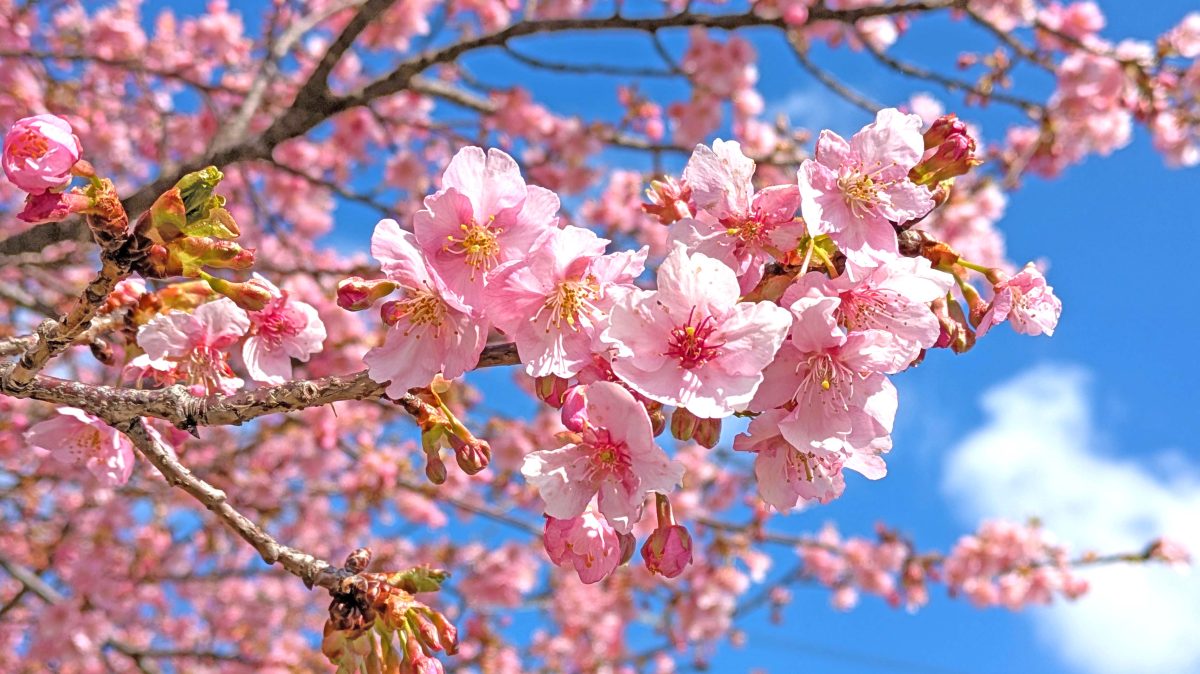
(691, 343)
(853, 191)
(614, 456)
(891, 299)
(1010, 564)
(432, 329)
(1025, 301)
(555, 303)
(76, 437)
(786, 474)
(587, 543)
(284, 329)
(1185, 37)
(744, 227)
(842, 402)
(39, 152)
(192, 347)
(484, 215)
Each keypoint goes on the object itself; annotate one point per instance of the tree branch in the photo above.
(185, 410)
(313, 571)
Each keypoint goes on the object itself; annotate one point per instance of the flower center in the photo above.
(750, 230)
(478, 244)
(205, 366)
(609, 458)
(859, 189)
(422, 309)
(29, 145)
(830, 381)
(278, 321)
(800, 462)
(570, 302)
(869, 308)
(694, 343)
(85, 445)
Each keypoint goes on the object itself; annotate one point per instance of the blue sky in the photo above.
(1108, 402)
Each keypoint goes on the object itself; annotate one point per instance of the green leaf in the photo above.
(419, 579)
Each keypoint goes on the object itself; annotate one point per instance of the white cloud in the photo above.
(1036, 455)
(815, 107)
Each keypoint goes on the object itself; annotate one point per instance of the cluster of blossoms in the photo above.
(755, 311)
(787, 299)
(1004, 563)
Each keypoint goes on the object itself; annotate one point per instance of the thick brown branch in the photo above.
(176, 405)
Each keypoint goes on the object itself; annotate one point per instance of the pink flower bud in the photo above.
(944, 128)
(551, 389)
(425, 630)
(447, 632)
(708, 432)
(472, 454)
(357, 293)
(683, 424)
(658, 420)
(435, 468)
(253, 295)
(428, 665)
(39, 153)
(628, 547)
(52, 206)
(574, 409)
(953, 152)
(669, 200)
(391, 312)
(668, 550)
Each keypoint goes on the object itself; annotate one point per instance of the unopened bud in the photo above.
(358, 561)
(658, 420)
(683, 424)
(574, 409)
(944, 128)
(435, 468)
(356, 293)
(428, 665)
(955, 332)
(550, 389)
(83, 169)
(252, 295)
(447, 632)
(668, 550)
(168, 217)
(207, 251)
(669, 200)
(472, 455)
(953, 152)
(391, 312)
(976, 305)
(708, 432)
(425, 630)
(412, 649)
(53, 206)
(628, 546)
(159, 263)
